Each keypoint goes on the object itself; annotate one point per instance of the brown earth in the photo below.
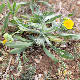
(39, 59)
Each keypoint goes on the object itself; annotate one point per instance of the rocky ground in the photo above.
(45, 67)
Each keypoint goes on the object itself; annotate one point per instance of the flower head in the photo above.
(5, 41)
(8, 38)
(5, 35)
(68, 24)
(65, 72)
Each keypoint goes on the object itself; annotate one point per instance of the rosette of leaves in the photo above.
(37, 23)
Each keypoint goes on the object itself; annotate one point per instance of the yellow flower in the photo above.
(65, 72)
(68, 24)
(5, 41)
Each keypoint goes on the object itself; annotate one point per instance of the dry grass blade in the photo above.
(4, 76)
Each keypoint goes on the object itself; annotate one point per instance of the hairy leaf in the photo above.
(74, 36)
(6, 21)
(17, 9)
(19, 44)
(19, 38)
(10, 8)
(49, 54)
(1, 7)
(63, 53)
(17, 50)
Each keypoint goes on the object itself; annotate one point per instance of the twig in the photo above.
(60, 8)
(4, 76)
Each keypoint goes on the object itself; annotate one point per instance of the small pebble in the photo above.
(0, 59)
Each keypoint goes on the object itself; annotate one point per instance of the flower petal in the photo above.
(68, 24)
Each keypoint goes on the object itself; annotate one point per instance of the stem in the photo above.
(15, 32)
(43, 26)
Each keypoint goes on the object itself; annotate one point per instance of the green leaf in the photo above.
(6, 21)
(32, 30)
(18, 44)
(17, 9)
(40, 40)
(63, 53)
(50, 31)
(70, 15)
(74, 36)
(47, 40)
(52, 19)
(64, 34)
(49, 54)
(38, 12)
(10, 8)
(55, 39)
(49, 17)
(58, 16)
(45, 3)
(25, 16)
(51, 36)
(36, 25)
(22, 3)
(56, 26)
(13, 22)
(19, 38)
(20, 25)
(38, 18)
(1, 7)
(17, 50)
(16, 19)
(32, 7)
(14, 7)
(46, 13)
